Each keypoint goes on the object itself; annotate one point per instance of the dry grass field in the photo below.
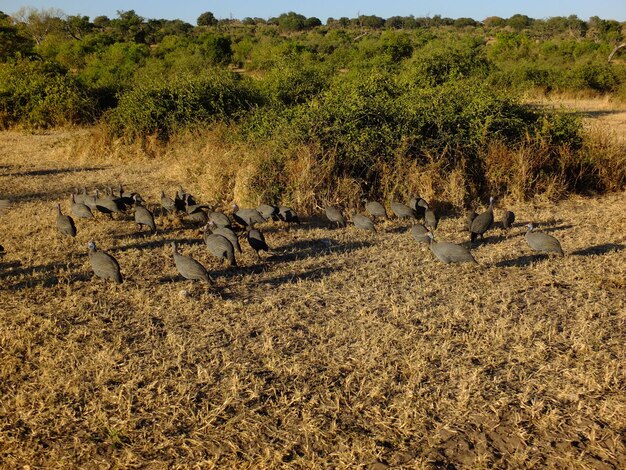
(341, 349)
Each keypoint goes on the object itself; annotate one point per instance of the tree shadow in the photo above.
(157, 243)
(488, 240)
(522, 261)
(599, 249)
(54, 171)
(399, 229)
(45, 275)
(556, 228)
(313, 248)
(310, 275)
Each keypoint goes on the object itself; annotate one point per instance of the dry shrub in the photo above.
(608, 155)
(217, 168)
(527, 171)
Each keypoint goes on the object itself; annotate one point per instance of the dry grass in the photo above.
(342, 349)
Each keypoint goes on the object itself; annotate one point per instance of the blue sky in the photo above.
(189, 10)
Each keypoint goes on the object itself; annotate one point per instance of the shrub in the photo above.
(42, 94)
(161, 107)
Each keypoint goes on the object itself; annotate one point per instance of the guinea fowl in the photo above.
(420, 233)
(471, 215)
(431, 219)
(103, 264)
(226, 232)
(419, 205)
(247, 217)
(335, 216)
(482, 222)
(542, 242)
(167, 203)
(107, 204)
(143, 216)
(256, 240)
(65, 224)
(188, 267)
(220, 247)
(507, 219)
(268, 211)
(402, 211)
(363, 222)
(375, 209)
(198, 218)
(180, 200)
(126, 199)
(220, 219)
(80, 209)
(447, 252)
(288, 215)
(89, 200)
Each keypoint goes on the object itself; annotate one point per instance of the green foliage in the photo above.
(163, 106)
(12, 43)
(216, 48)
(39, 94)
(293, 82)
(206, 19)
(435, 65)
(597, 77)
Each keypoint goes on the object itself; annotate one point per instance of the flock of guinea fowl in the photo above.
(221, 233)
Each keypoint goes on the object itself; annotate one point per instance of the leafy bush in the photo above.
(437, 64)
(161, 107)
(42, 94)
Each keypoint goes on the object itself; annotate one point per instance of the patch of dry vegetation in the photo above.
(342, 349)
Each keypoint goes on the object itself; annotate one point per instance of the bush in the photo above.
(42, 94)
(161, 107)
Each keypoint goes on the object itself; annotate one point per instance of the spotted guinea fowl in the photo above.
(89, 199)
(402, 211)
(334, 215)
(220, 247)
(431, 218)
(220, 219)
(288, 215)
(363, 222)
(471, 215)
(507, 219)
(542, 242)
(188, 267)
(80, 209)
(268, 211)
(420, 233)
(167, 203)
(375, 209)
(107, 204)
(143, 216)
(197, 218)
(447, 252)
(226, 232)
(103, 264)
(482, 222)
(419, 205)
(256, 240)
(247, 217)
(65, 224)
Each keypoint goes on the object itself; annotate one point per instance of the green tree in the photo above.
(291, 21)
(206, 19)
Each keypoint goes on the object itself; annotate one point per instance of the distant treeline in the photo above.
(362, 95)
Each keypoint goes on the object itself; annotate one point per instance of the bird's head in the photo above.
(91, 245)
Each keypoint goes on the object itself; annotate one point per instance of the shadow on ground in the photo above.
(599, 249)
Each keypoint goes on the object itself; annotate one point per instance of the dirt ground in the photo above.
(341, 349)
